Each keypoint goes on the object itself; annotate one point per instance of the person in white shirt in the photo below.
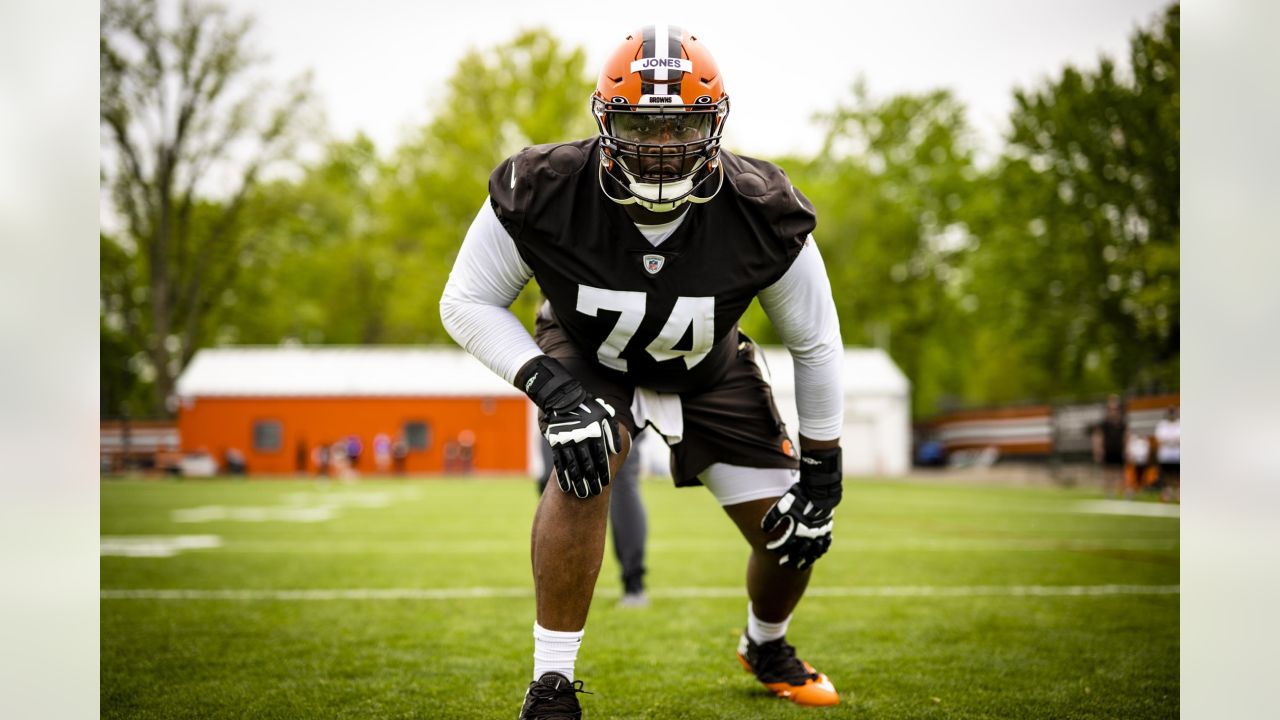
(1137, 464)
(1169, 454)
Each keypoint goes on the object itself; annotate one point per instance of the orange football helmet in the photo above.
(660, 106)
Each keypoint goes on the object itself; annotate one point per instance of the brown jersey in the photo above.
(659, 317)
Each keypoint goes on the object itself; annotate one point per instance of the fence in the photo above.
(1038, 431)
(138, 445)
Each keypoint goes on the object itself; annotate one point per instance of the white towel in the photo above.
(660, 411)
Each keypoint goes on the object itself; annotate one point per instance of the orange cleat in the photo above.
(775, 664)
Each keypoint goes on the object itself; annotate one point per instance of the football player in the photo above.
(649, 241)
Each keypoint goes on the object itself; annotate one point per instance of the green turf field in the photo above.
(934, 602)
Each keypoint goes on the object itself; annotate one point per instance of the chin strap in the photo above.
(698, 200)
(654, 205)
(643, 194)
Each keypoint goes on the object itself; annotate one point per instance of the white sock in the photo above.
(762, 632)
(555, 651)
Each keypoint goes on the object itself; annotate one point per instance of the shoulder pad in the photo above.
(765, 186)
(517, 183)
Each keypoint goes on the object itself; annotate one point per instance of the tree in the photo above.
(889, 186)
(1079, 249)
(358, 249)
(325, 268)
(528, 91)
(181, 125)
(124, 384)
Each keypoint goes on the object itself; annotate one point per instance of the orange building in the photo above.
(278, 406)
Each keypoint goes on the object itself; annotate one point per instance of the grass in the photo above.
(979, 656)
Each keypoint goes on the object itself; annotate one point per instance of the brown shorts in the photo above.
(734, 421)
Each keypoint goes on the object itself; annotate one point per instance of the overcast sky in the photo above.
(379, 64)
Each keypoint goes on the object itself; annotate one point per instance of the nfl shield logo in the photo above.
(653, 263)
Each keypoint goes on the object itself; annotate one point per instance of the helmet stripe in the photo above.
(661, 60)
(646, 51)
(660, 41)
(673, 50)
(662, 49)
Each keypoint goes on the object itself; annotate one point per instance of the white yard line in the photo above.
(468, 593)
(520, 546)
(155, 545)
(1128, 507)
(283, 513)
(299, 507)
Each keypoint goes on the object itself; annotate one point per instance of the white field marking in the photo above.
(400, 547)
(846, 545)
(155, 545)
(1009, 544)
(338, 594)
(300, 507)
(1127, 507)
(922, 591)
(841, 546)
(999, 590)
(213, 513)
(344, 499)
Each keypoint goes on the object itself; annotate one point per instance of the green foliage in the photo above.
(889, 186)
(124, 391)
(1080, 236)
(1052, 274)
(528, 91)
(324, 270)
(177, 109)
(358, 250)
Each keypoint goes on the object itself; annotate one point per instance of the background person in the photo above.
(353, 449)
(400, 455)
(382, 452)
(466, 451)
(320, 456)
(1137, 464)
(1168, 436)
(1108, 445)
(300, 456)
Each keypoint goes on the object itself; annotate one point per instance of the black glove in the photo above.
(582, 430)
(807, 508)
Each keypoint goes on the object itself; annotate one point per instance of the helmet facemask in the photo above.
(659, 157)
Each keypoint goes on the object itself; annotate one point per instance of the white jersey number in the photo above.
(698, 313)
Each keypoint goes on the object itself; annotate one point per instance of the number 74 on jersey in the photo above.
(698, 313)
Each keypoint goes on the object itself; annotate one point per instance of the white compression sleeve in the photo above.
(804, 314)
(486, 278)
